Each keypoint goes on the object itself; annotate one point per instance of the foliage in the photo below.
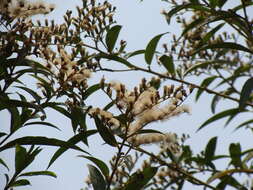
(60, 59)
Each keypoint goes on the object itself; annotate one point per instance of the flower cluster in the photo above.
(144, 105)
(24, 8)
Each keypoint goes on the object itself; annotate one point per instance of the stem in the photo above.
(190, 84)
(187, 176)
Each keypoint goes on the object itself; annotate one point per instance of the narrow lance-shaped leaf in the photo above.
(42, 123)
(99, 163)
(206, 82)
(72, 141)
(210, 149)
(219, 116)
(36, 173)
(4, 164)
(105, 133)
(151, 47)
(245, 93)
(97, 180)
(91, 90)
(224, 45)
(20, 158)
(112, 36)
(21, 182)
(168, 63)
(36, 140)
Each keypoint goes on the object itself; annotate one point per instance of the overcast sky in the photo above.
(141, 22)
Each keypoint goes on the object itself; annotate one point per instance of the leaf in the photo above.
(91, 90)
(48, 173)
(235, 154)
(194, 6)
(215, 100)
(96, 178)
(78, 118)
(214, 3)
(221, 3)
(210, 149)
(42, 123)
(112, 36)
(243, 124)
(2, 134)
(4, 164)
(15, 119)
(99, 163)
(225, 45)
(36, 140)
(204, 65)
(20, 158)
(105, 133)
(210, 34)
(151, 47)
(224, 173)
(245, 93)
(144, 131)
(31, 92)
(205, 83)
(115, 58)
(21, 182)
(72, 141)
(139, 179)
(219, 116)
(168, 63)
(109, 105)
(56, 107)
(137, 52)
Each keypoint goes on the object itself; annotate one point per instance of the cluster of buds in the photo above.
(24, 8)
(65, 68)
(145, 105)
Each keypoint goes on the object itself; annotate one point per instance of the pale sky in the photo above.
(141, 22)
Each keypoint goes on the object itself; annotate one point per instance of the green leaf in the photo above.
(235, 154)
(202, 65)
(91, 90)
(132, 54)
(224, 45)
(214, 103)
(109, 105)
(243, 124)
(194, 6)
(105, 132)
(168, 63)
(245, 93)
(210, 34)
(4, 164)
(205, 83)
(42, 123)
(139, 179)
(96, 178)
(21, 182)
(31, 92)
(78, 118)
(219, 116)
(145, 131)
(20, 158)
(15, 119)
(57, 107)
(35, 140)
(115, 58)
(151, 47)
(210, 149)
(72, 141)
(112, 36)
(2, 134)
(99, 163)
(48, 173)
